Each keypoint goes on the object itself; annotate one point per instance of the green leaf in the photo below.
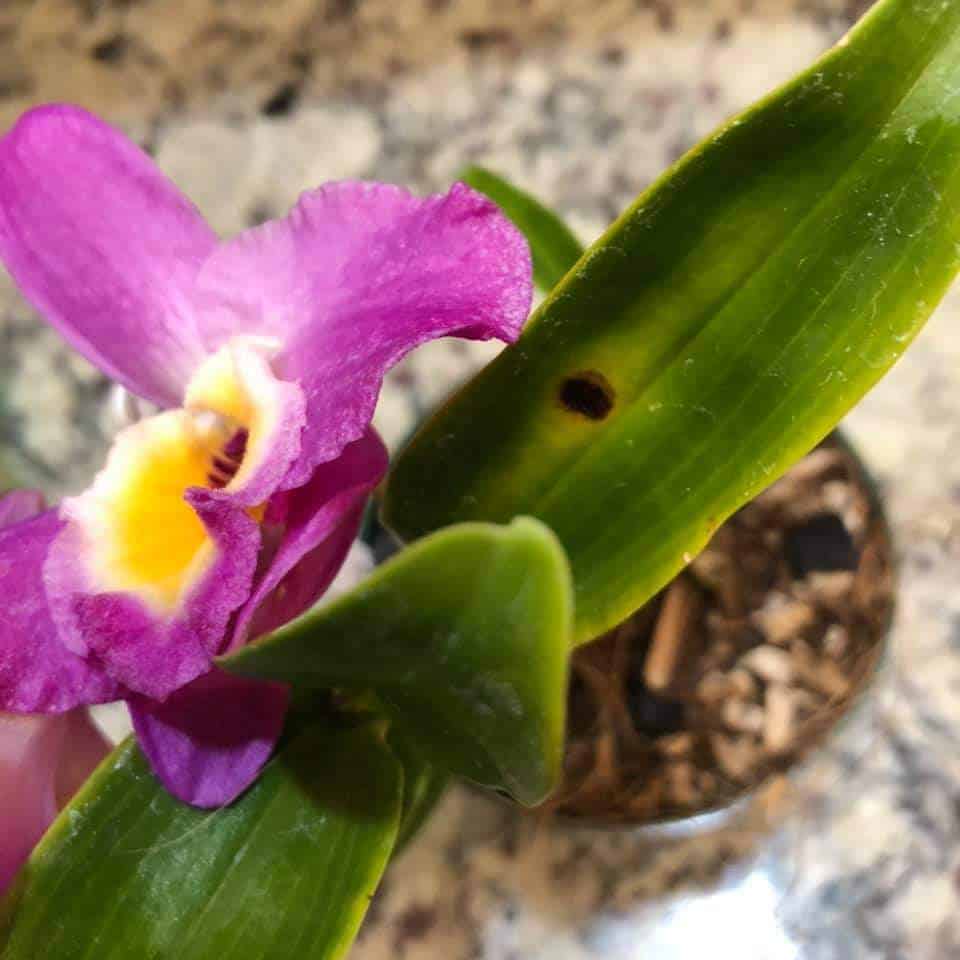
(554, 247)
(722, 325)
(465, 636)
(287, 871)
(423, 785)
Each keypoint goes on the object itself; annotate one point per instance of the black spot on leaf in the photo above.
(588, 394)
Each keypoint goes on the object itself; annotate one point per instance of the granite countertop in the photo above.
(857, 855)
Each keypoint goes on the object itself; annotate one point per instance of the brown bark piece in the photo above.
(675, 638)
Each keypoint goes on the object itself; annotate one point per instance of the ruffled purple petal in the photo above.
(20, 505)
(318, 521)
(146, 653)
(43, 762)
(150, 652)
(354, 278)
(208, 742)
(104, 246)
(38, 674)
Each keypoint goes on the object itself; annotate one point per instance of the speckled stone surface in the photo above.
(855, 856)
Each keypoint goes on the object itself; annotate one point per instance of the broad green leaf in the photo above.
(465, 636)
(722, 325)
(554, 247)
(287, 871)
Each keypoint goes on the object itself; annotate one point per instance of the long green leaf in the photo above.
(287, 871)
(554, 247)
(465, 636)
(722, 326)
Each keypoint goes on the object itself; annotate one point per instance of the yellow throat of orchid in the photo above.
(144, 537)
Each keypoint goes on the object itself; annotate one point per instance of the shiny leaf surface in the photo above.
(127, 871)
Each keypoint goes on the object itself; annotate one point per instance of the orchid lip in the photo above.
(142, 532)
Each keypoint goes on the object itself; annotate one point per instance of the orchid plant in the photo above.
(284, 750)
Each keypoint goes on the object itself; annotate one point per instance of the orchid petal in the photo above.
(104, 246)
(38, 674)
(319, 521)
(208, 741)
(43, 761)
(355, 277)
(149, 650)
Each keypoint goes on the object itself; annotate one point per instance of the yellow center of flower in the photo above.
(143, 536)
(156, 535)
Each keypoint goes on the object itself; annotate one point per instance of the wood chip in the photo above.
(779, 729)
(781, 618)
(772, 664)
(833, 589)
(676, 745)
(746, 717)
(714, 688)
(838, 496)
(736, 756)
(742, 684)
(836, 641)
(819, 672)
(646, 799)
(707, 783)
(719, 655)
(674, 637)
(681, 784)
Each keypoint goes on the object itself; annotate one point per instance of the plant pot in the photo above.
(745, 663)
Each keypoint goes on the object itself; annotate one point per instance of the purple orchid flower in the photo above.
(44, 759)
(229, 512)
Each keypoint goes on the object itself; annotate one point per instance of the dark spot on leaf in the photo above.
(821, 543)
(588, 394)
(282, 102)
